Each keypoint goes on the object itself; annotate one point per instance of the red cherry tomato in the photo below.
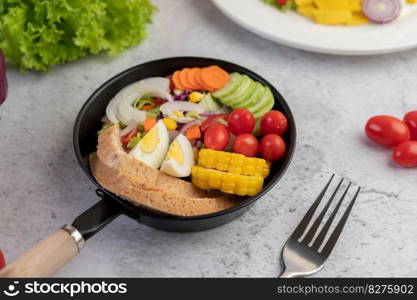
(246, 144)
(387, 131)
(217, 137)
(2, 260)
(158, 101)
(405, 154)
(274, 122)
(126, 138)
(281, 2)
(241, 121)
(411, 120)
(272, 147)
(211, 120)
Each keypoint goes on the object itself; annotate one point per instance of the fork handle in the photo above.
(288, 274)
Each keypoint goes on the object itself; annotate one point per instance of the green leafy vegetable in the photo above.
(133, 142)
(289, 5)
(154, 112)
(141, 102)
(193, 114)
(104, 127)
(38, 34)
(145, 100)
(122, 125)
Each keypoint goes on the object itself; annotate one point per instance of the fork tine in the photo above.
(320, 238)
(338, 230)
(313, 229)
(298, 232)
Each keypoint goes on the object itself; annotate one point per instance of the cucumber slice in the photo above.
(254, 98)
(210, 104)
(268, 106)
(231, 86)
(246, 94)
(239, 92)
(257, 130)
(262, 102)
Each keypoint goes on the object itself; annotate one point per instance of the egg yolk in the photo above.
(175, 152)
(150, 141)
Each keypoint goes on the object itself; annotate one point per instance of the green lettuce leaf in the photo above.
(38, 34)
(289, 5)
(133, 142)
(144, 100)
(154, 112)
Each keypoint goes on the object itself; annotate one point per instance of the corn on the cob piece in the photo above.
(233, 163)
(241, 185)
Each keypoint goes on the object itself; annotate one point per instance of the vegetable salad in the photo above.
(345, 12)
(215, 126)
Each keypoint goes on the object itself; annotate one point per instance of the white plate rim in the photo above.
(309, 47)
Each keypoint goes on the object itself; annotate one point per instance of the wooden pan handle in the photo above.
(47, 256)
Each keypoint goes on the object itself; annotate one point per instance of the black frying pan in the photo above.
(55, 250)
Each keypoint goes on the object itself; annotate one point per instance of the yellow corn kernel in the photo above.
(303, 2)
(355, 5)
(357, 19)
(178, 114)
(332, 16)
(195, 97)
(306, 10)
(170, 123)
(333, 4)
(233, 163)
(241, 185)
(411, 1)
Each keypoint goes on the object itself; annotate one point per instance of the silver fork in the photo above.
(303, 256)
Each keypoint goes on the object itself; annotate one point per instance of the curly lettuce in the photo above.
(38, 34)
(290, 4)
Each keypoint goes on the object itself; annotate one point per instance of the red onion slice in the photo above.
(167, 109)
(223, 110)
(381, 11)
(3, 79)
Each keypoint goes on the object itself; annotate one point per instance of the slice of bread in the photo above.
(118, 172)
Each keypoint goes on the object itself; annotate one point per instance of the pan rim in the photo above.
(141, 211)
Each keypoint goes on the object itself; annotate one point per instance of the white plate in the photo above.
(296, 31)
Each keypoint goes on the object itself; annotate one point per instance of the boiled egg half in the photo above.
(152, 148)
(180, 158)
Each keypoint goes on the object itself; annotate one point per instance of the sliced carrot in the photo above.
(148, 107)
(195, 86)
(176, 81)
(149, 123)
(183, 76)
(198, 79)
(201, 82)
(214, 77)
(193, 133)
